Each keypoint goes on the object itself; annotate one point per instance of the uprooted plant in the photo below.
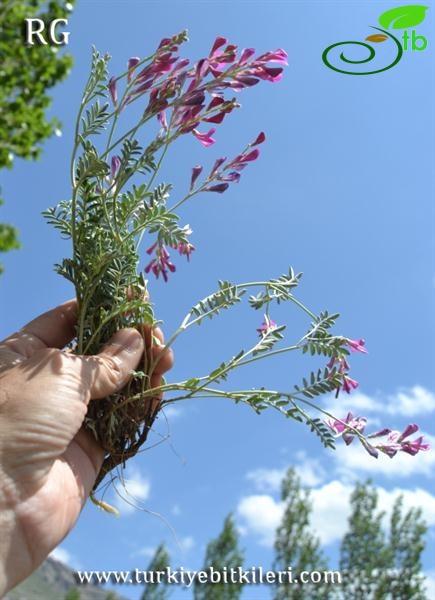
(117, 201)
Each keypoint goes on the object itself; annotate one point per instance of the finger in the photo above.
(53, 329)
(164, 359)
(110, 370)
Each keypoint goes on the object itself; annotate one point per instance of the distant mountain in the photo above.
(52, 581)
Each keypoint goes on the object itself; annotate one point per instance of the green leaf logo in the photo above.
(403, 16)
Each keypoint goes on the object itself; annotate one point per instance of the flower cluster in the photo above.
(218, 180)
(195, 95)
(395, 441)
(183, 97)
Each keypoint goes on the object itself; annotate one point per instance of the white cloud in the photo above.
(352, 460)
(266, 480)
(147, 551)
(310, 472)
(172, 412)
(186, 543)
(260, 516)
(133, 490)
(416, 401)
(411, 402)
(412, 498)
(331, 510)
(357, 403)
(61, 555)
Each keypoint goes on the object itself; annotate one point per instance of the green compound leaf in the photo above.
(403, 16)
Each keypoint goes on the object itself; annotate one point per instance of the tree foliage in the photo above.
(222, 553)
(26, 73)
(295, 545)
(159, 562)
(376, 565)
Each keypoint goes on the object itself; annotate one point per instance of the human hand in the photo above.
(48, 461)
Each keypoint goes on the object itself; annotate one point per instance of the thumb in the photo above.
(110, 370)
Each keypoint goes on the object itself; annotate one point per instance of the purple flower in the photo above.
(218, 43)
(278, 56)
(185, 249)
(115, 164)
(246, 55)
(273, 74)
(218, 163)
(415, 446)
(205, 138)
(131, 64)
(113, 90)
(396, 442)
(196, 172)
(161, 263)
(240, 161)
(349, 384)
(162, 119)
(357, 345)
(266, 327)
(233, 177)
(220, 188)
(259, 139)
(345, 427)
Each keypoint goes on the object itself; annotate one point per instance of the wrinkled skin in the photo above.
(48, 462)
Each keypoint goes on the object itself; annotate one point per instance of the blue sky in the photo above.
(343, 191)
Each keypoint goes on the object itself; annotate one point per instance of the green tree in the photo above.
(8, 238)
(364, 555)
(222, 552)
(403, 579)
(296, 546)
(159, 562)
(375, 565)
(26, 73)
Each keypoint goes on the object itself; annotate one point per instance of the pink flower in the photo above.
(205, 138)
(246, 55)
(113, 90)
(233, 177)
(185, 249)
(115, 164)
(349, 384)
(220, 188)
(345, 426)
(396, 442)
(131, 65)
(196, 172)
(273, 74)
(161, 263)
(218, 43)
(259, 139)
(357, 345)
(278, 56)
(415, 446)
(266, 327)
(240, 161)
(218, 163)
(162, 119)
